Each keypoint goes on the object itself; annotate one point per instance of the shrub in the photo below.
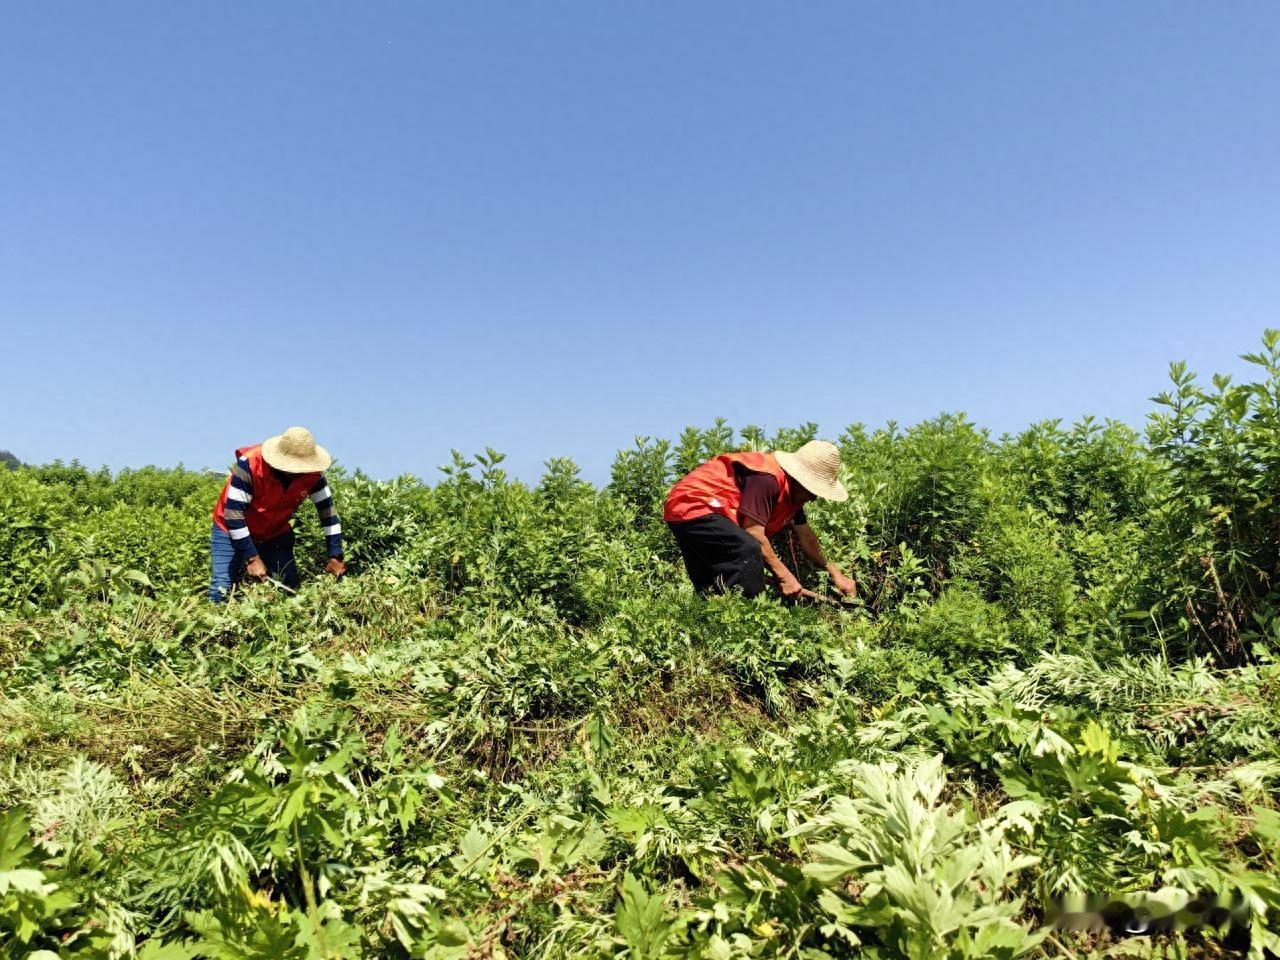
(515, 730)
(962, 629)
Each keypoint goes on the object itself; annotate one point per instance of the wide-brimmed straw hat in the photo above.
(816, 467)
(296, 451)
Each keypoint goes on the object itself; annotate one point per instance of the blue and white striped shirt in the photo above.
(240, 495)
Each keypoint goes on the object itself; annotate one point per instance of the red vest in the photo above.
(711, 488)
(267, 514)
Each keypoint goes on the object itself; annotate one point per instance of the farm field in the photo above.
(514, 731)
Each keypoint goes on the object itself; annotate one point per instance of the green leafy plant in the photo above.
(514, 730)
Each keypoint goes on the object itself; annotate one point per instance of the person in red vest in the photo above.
(724, 512)
(251, 534)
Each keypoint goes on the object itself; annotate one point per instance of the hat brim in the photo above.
(316, 463)
(831, 490)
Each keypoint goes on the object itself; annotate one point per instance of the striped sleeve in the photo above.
(239, 496)
(322, 497)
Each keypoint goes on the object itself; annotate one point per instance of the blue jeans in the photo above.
(228, 564)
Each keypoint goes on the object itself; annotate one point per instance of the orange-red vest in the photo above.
(711, 488)
(267, 514)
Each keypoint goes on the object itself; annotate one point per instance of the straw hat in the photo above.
(296, 451)
(816, 466)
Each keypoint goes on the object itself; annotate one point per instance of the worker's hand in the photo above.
(256, 568)
(335, 566)
(789, 587)
(846, 585)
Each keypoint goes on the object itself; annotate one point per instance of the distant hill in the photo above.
(9, 460)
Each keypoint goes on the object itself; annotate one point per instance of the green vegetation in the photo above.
(516, 732)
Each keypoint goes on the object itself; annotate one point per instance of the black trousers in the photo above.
(720, 555)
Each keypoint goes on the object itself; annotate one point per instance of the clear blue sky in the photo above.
(550, 227)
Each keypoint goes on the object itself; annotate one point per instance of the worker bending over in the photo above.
(251, 531)
(724, 512)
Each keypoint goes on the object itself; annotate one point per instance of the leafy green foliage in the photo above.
(514, 730)
(930, 882)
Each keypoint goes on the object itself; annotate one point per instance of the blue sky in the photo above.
(551, 227)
